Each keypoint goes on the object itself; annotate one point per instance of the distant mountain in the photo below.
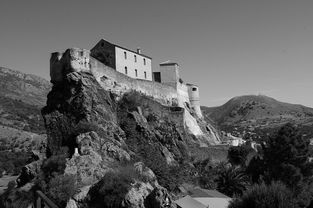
(252, 114)
(21, 98)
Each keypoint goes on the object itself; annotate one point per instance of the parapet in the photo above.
(73, 59)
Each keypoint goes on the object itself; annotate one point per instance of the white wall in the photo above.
(194, 97)
(183, 96)
(131, 65)
(169, 74)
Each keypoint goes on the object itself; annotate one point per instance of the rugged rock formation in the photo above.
(111, 131)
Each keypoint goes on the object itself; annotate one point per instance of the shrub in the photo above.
(275, 195)
(238, 155)
(111, 189)
(56, 163)
(16, 198)
(232, 181)
(61, 188)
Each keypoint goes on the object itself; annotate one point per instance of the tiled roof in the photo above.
(213, 202)
(188, 202)
(199, 192)
(168, 63)
(140, 54)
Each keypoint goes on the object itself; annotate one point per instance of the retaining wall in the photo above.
(119, 83)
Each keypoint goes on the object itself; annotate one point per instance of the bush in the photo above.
(112, 188)
(55, 164)
(12, 162)
(232, 181)
(16, 198)
(275, 195)
(61, 188)
(238, 155)
(208, 173)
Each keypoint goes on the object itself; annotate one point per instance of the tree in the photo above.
(111, 189)
(286, 158)
(275, 195)
(232, 181)
(238, 155)
(61, 188)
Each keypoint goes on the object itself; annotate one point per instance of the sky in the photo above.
(227, 47)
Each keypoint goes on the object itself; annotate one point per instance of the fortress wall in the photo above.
(119, 83)
(193, 91)
(73, 59)
(183, 96)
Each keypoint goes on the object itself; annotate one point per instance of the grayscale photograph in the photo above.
(156, 104)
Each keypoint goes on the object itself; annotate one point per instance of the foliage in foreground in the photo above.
(12, 162)
(275, 195)
(54, 183)
(61, 188)
(112, 188)
(232, 181)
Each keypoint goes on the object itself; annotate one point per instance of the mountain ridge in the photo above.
(21, 98)
(251, 112)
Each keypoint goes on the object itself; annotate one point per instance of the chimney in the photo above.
(138, 50)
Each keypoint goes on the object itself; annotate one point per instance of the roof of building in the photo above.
(199, 192)
(193, 85)
(212, 202)
(187, 202)
(140, 54)
(168, 63)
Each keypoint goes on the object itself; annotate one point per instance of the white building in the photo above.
(168, 74)
(131, 63)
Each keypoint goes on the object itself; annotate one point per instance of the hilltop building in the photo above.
(128, 62)
(138, 66)
(168, 73)
(121, 70)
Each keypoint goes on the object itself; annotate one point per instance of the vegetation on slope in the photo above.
(281, 168)
(255, 117)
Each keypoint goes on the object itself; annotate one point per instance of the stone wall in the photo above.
(77, 60)
(73, 59)
(119, 84)
(104, 51)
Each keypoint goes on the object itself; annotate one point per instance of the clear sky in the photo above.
(227, 47)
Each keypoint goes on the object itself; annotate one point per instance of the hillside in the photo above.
(21, 124)
(21, 98)
(258, 115)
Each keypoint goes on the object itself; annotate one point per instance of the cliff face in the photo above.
(81, 114)
(109, 130)
(79, 60)
(111, 124)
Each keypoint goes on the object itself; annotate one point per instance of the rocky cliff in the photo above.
(99, 138)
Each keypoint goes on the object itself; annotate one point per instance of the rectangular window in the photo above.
(125, 69)
(144, 61)
(194, 89)
(135, 57)
(136, 72)
(145, 75)
(125, 55)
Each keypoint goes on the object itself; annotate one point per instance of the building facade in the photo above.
(188, 94)
(131, 63)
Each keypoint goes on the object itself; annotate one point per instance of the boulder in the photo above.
(146, 173)
(159, 198)
(29, 172)
(88, 168)
(135, 197)
(71, 204)
(82, 194)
